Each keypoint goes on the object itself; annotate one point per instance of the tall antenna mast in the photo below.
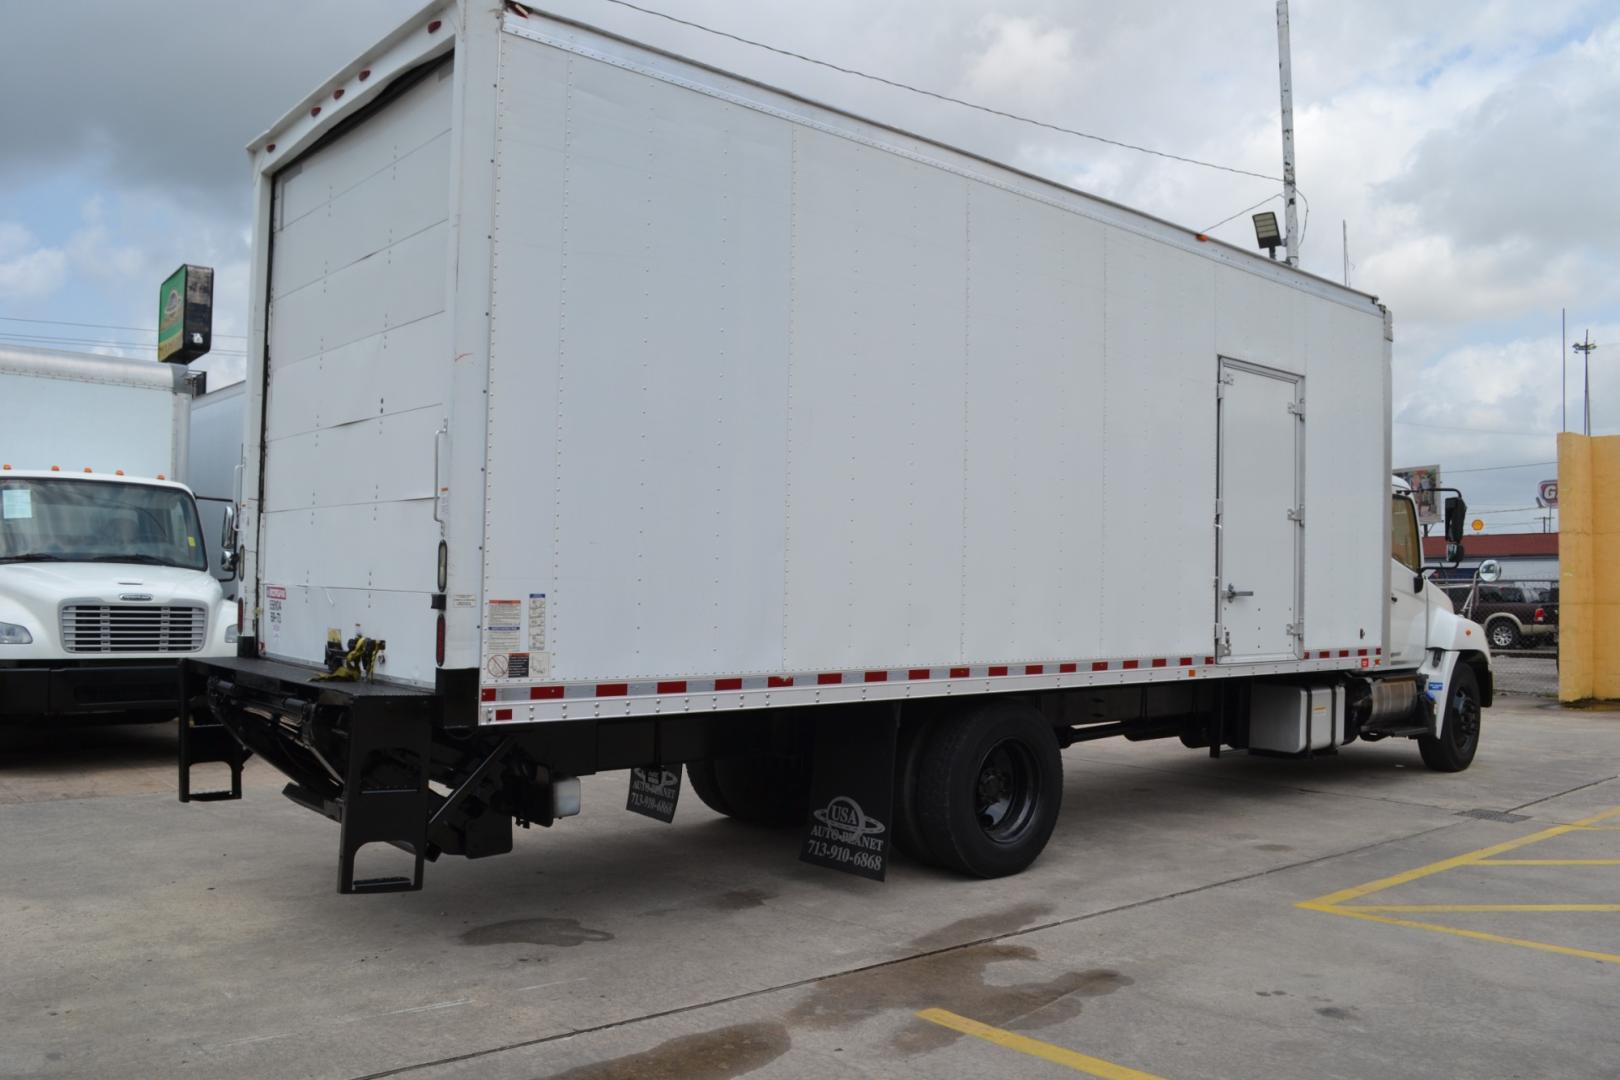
(1286, 78)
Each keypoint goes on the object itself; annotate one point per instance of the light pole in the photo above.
(1585, 349)
(1285, 75)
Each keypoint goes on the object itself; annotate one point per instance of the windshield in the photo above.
(98, 521)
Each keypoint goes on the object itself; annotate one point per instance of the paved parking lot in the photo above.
(1350, 916)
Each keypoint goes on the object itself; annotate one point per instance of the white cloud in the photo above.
(29, 271)
(1021, 60)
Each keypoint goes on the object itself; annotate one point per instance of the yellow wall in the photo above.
(1588, 567)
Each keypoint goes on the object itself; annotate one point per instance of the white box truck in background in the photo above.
(607, 411)
(214, 465)
(104, 579)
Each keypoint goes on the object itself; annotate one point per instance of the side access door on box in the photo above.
(1258, 517)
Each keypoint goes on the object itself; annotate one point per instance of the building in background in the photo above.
(1524, 556)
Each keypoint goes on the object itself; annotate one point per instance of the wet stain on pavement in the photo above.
(565, 933)
(954, 980)
(1273, 847)
(1333, 1012)
(979, 927)
(739, 900)
(710, 1055)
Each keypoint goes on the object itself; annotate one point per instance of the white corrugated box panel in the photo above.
(773, 390)
(79, 411)
(356, 384)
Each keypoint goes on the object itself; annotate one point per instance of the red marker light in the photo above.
(433, 27)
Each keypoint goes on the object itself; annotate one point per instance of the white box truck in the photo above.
(104, 581)
(214, 464)
(608, 411)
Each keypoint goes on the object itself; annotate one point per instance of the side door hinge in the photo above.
(1297, 515)
(1297, 408)
(1296, 629)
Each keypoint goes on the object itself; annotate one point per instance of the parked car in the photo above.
(1514, 613)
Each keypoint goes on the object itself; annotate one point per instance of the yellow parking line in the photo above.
(1475, 935)
(1480, 907)
(1338, 903)
(1357, 892)
(1548, 862)
(1046, 1051)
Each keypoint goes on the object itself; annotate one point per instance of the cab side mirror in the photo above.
(1454, 553)
(229, 556)
(1456, 511)
(1489, 570)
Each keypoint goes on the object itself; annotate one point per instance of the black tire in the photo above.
(1454, 749)
(762, 789)
(1502, 634)
(907, 835)
(988, 790)
(700, 774)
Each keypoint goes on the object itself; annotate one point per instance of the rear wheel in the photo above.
(1503, 634)
(989, 783)
(763, 789)
(1453, 750)
(907, 835)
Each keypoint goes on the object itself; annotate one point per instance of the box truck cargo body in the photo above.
(214, 464)
(104, 580)
(612, 411)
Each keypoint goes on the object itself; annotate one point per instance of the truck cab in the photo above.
(104, 586)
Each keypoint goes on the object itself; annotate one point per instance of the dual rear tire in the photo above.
(978, 792)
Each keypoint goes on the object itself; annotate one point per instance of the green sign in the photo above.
(186, 314)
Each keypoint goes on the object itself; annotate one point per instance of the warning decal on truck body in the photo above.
(503, 636)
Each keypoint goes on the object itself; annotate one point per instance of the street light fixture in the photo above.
(1267, 233)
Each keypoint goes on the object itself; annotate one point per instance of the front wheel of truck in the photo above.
(1454, 748)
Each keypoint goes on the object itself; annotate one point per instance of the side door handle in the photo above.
(1233, 592)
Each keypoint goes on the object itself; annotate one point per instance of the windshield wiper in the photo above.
(34, 556)
(144, 560)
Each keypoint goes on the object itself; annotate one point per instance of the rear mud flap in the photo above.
(851, 824)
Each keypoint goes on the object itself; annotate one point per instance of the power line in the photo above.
(1241, 212)
(1498, 468)
(99, 326)
(93, 343)
(1475, 430)
(948, 98)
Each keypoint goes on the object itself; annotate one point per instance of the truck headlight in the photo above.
(12, 634)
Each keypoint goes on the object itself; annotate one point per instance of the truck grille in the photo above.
(106, 628)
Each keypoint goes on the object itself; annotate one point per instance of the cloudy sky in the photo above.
(1470, 145)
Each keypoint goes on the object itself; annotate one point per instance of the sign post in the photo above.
(186, 314)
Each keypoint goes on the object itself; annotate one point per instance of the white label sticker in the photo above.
(537, 622)
(16, 504)
(503, 635)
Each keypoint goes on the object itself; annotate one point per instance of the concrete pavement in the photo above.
(1162, 931)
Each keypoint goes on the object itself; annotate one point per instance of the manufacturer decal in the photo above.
(136, 597)
(654, 793)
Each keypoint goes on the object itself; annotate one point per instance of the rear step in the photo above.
(205, 740)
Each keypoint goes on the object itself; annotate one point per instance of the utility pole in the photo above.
(1286, 78)
(1586, 380)
(1563, 359)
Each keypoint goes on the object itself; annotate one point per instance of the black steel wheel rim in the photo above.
(1005, 790)
(1465, 718)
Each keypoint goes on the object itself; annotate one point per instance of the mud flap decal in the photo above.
(654, 792)
(852, 793)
